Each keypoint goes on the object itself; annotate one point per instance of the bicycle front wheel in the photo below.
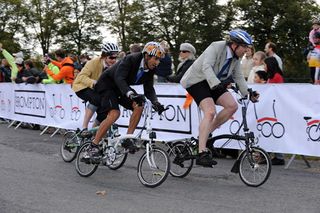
(120, 158)
(84, 167)
(181, 160)
(70, 146)
(255, 167)
(153, 167)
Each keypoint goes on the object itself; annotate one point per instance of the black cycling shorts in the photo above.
(111, 98)
(202, 90)
(89, 95)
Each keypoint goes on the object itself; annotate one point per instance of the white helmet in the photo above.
(110, 48)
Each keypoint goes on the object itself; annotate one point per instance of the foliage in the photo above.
(79, 27)
(285, 23)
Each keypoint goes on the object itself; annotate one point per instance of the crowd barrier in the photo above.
(286, 119)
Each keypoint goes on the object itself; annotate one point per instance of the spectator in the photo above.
(84, 58)
(76, 64)
(121, 55)
(314, 58)
(186, 58)
(260, 77)
(11, 60)
(5, 70)
(23, 74)
(54, 69)
(35, 74)
(270, 50)
(246, 63)
(315, 28)
(258, 59)
(65, 65)
(274, 76)
(164, 69)
(135, 48)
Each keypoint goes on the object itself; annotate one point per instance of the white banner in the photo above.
(286, 119)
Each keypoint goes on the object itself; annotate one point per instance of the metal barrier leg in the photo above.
(13, 121)
(306, 161)
(293, 157)
(55, 132)
(19, 124)
(44, 130)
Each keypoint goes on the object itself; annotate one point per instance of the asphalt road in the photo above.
(34, 178)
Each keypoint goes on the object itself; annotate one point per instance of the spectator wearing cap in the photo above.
(164, 69)
(186, 58)
(11, 61)
(66, 66)
(53, 68)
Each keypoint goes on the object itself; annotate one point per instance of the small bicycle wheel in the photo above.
(153, 167)
(180, 155)
(314, 134)
(70, 146)
(83, 166)
(255, 167)
(120, 158)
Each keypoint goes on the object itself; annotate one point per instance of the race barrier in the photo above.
(286, 119)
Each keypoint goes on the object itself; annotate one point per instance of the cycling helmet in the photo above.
(110, 48)
(153, 49)
(240, 37)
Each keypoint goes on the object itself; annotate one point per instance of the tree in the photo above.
(10, 23)
(42, 18)
(80, 25)
(286, 23)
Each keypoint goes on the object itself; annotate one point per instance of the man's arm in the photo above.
(122, 74)
(149, 91)
(239, 79)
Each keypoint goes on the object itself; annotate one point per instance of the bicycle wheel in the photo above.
(70, 146)
(119, 158)
(314, 133)
(84, 168)
(153, 169)
(255, 167)
(180, 158)
(266, 130)
(277, 130)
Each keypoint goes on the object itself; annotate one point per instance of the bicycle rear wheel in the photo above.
(255, 167)
(70, 146)
(180, 158)
(83, 166)
(153, 170)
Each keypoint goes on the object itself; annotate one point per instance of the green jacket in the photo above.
(11, 61)
(50, 80)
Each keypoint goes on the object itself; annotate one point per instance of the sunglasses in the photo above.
(184, 51)
(112, 57)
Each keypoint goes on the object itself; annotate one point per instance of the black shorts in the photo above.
(111, 98)
(89, 95)
(202, 90)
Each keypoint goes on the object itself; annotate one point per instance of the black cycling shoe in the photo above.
(92, 155)
(129, 144)
(205, 159)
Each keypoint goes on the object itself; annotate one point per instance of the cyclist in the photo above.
(114, 89)
(85, 81)
(205, 81)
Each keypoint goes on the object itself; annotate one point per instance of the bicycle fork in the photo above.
(150, 157)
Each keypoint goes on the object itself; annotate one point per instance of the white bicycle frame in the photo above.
(146, 126)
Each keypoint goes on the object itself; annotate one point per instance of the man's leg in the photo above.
(209, 110)
(229, 108)
(112, 116)
(135, 118)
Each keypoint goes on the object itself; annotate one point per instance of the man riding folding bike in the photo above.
(204, 82)
(114, 89)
